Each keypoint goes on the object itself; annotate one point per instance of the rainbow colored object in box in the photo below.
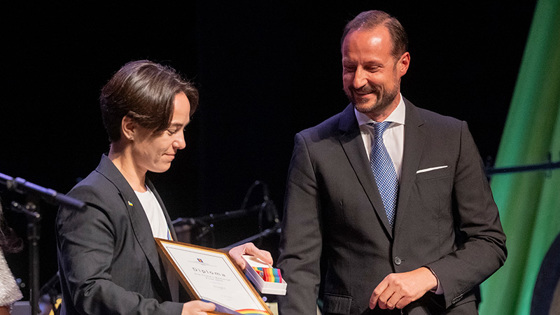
(267, 280)
(269, 274)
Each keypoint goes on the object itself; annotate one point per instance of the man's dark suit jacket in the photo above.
(446, 218)
(108, 260)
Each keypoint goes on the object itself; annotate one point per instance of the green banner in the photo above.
(529, 202)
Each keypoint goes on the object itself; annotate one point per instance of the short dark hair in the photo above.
(371, 19)
(145, 91)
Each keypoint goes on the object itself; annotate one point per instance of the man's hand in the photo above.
(197, 308)
(237, 252)
(397, 290)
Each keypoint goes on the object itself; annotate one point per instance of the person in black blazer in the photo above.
(107, 255)
(445, 237)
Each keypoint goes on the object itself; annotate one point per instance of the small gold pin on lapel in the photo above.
(130, 204)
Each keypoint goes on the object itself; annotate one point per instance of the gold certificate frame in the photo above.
(211, 275)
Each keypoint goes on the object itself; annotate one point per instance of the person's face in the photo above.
(155, 151)
(370, 73)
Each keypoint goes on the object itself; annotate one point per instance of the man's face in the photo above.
(370, 73)
(155, 151)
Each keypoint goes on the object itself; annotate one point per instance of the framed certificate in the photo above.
(210, 275)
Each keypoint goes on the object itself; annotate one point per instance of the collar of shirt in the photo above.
(397, 116)
(393, 137)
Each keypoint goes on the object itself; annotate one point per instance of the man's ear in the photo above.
(128, 128)
(403, 63)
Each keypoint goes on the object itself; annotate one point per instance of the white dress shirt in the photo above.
(393, 137)
(160, 229)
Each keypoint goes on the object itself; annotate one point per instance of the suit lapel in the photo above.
(414, 139)
(353, 146)
(138, 219)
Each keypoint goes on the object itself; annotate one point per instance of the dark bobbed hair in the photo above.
(9, 241)
(144, 91)
(368, 20)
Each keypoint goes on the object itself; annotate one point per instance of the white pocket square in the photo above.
(431, 169)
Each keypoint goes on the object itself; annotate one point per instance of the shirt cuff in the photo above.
(439, 288)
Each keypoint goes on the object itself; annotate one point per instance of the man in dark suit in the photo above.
(107, 255)
(401, 217)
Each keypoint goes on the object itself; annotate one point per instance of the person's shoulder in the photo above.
(95, 187)
(100, 186)
(104, 176)
(433, 118)
(327, 127)
(102, 197)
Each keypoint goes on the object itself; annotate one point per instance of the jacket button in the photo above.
(397, 260)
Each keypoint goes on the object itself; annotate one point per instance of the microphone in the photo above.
(268, 204)
(274, 212)
(266, 193)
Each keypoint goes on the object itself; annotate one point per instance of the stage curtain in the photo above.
(529, 202)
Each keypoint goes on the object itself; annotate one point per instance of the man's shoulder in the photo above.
(330, 126)
(435, 116)
(431, 117)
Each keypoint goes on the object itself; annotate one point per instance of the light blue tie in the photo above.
(384, 171)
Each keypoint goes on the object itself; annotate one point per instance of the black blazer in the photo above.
(107, 256)
(446, 217)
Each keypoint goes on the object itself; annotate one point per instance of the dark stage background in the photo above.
(265, 70)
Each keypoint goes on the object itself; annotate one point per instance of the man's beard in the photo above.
(383, 100)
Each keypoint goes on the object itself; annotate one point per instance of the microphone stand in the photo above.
(267, 205)
(206, 223)
(31, 210)
(275, 229)
(213, 218)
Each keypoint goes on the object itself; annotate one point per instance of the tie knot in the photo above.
(380, 127)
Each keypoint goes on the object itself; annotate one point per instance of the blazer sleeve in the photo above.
(87, 240)
(300, 260)
(479, 236)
